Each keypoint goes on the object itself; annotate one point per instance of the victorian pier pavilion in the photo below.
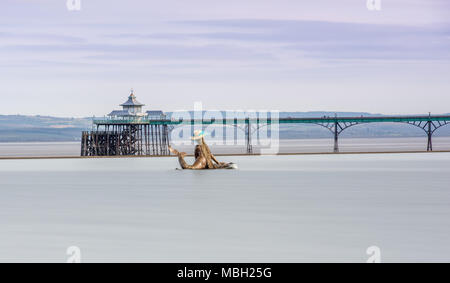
(127, 132)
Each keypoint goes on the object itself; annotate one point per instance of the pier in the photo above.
(151, 137)
(130, 131)
(126, 139)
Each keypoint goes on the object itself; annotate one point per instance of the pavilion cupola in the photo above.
(130, 108)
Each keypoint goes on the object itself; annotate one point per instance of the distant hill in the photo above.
(19, 128)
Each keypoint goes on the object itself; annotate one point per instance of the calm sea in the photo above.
(286, 146)
(316, 208)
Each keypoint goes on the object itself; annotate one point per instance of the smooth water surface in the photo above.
(317, 208)
(285, 146)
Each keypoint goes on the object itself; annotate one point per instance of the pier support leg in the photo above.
(336, 138)
(166, 140)
(249, 138)
(430, 137)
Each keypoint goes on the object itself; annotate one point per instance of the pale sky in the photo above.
(287, 55)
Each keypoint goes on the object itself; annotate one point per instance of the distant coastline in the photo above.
(20, 128)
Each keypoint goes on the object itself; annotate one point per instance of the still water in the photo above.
(285, 146)
(318, 208)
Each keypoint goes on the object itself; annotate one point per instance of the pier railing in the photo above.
(288, 120)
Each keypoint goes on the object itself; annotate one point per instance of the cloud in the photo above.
(42, 37)
(319, 39)
(143, 51)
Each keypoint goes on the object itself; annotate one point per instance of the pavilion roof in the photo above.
(132, 101)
